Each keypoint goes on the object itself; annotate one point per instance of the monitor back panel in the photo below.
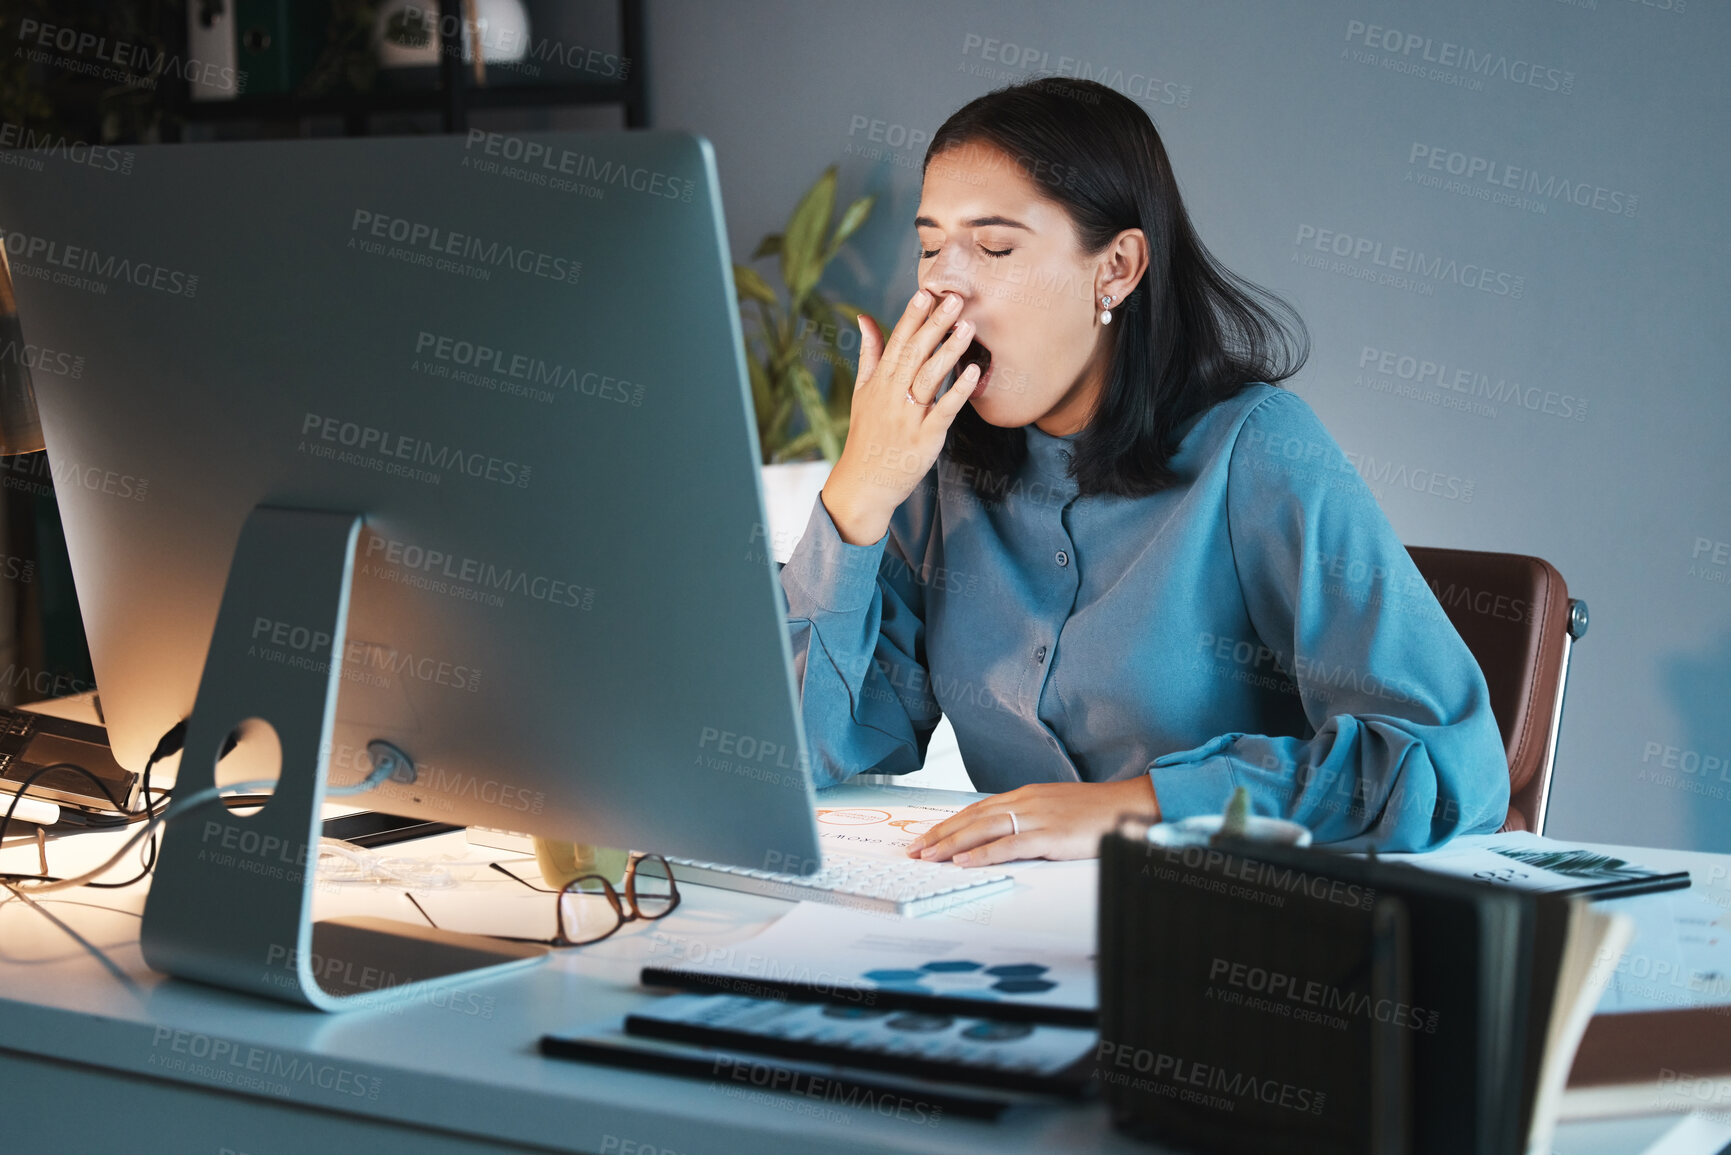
(520, 359)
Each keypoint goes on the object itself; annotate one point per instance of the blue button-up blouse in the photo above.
(1256, 624)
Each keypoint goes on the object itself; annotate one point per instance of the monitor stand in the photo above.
(231, 903)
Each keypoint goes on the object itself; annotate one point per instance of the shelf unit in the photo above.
(454, 97)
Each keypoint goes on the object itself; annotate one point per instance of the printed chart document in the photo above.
(878, 831)
(882, 830)
(836, 954)
(1526, 861)
(1032, 1058)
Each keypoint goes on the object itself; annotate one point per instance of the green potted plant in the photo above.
(801, 427)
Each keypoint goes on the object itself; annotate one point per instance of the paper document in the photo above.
(817, 944)
(881, 832)
(846, 1035)
(1680, 956)
(1528, 862)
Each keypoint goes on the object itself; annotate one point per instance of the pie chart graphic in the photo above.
(854, 817)
(965, 979)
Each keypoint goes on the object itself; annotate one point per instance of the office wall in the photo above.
(1505, 222)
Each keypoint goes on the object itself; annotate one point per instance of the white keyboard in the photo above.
(910, 888)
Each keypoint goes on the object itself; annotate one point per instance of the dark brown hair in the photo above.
(1190, 335)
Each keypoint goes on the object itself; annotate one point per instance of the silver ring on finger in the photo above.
(912, 400)
(1015, 827)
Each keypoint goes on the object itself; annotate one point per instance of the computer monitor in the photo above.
(468, 415)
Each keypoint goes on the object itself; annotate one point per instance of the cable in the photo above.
(168, 744)
(6, 819)
(143, 873)
(171, 742)
(174, 809)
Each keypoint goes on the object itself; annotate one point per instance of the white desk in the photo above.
(100, 1054)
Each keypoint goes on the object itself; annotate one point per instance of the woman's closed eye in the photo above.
(928, 254)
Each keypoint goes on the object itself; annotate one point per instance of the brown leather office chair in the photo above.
(1516, 616)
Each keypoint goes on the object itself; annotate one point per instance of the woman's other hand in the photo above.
(892, 441)
(1052, 820)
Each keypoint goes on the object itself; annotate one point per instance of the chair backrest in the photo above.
(1515, 615)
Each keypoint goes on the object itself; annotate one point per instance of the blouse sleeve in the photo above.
(854, 621)
(1406, 752)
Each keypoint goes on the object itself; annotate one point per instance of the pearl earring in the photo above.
(1106, 314)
